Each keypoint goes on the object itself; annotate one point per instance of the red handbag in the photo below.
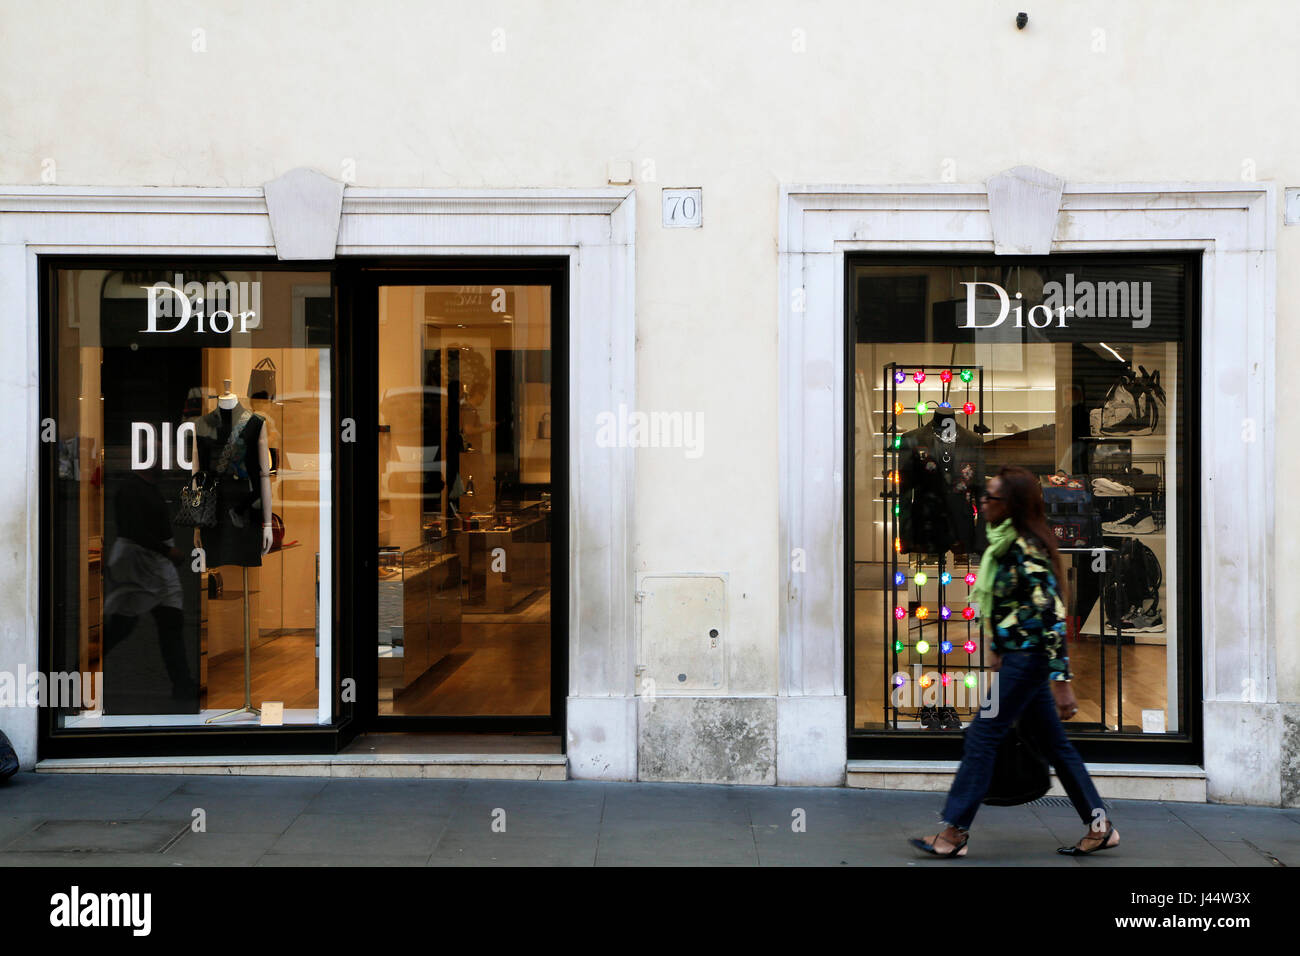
(277, 532)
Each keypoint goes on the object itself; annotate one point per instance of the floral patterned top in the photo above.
(1028, 612)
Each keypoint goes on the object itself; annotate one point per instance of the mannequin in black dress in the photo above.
(243, 531)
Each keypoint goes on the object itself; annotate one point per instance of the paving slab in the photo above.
(131, 820)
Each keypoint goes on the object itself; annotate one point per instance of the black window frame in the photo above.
(1184, 748)
(353, 387)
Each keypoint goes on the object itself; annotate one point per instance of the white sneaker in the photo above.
(1105, 488)
(1135, 522)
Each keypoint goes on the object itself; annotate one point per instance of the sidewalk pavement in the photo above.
(146, 820)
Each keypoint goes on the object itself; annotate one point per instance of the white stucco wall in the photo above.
(736, 98)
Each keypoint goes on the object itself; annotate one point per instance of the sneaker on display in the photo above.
(1105, 488)
(1145, 622)
(1135, 522)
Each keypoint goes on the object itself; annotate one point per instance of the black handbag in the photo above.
(1020, 773)
(261, 380)
(8, 758)
(198, 502)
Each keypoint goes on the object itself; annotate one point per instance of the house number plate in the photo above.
(683, 208)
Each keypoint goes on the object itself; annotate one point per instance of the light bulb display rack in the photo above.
(948, 638)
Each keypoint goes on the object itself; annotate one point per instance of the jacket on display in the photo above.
(939, 487)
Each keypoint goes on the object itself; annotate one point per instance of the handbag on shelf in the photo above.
(1070, 511)
(261, 380)
(198, 502)
(216, 586)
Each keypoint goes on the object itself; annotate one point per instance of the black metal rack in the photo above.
(898, 625)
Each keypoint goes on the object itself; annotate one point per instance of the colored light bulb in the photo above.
(922, 646)
(967, 375)
(945, 647)
(900, 613)
(920, 578)
(898, 545)
(900, 578)
(968, 613)
(922, 613)
(945, 578)
(945, 404)
(898, 441)
(898, 408)
(900, 376)
(898, 647)
(894, 477)
(946, 680)
(971, 680)
(897, 509)
(970, 579)
(969, 408)
(925, 682)
(899, 680)
(918, 376)
(945, 376)
(922, 408)
(969, 647)
(945, 612)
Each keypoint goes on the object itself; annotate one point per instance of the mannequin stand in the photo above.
(248, 707)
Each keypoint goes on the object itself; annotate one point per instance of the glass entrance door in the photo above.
(465, 459)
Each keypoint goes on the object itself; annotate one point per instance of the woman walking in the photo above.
(1018, 592)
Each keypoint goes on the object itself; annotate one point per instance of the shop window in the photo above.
(216, 381)
(465, 466)
(1073, 368)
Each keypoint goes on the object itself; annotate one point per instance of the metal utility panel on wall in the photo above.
(681, 633)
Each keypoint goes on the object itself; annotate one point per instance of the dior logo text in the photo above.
(1102, 300)
(222, 304)
(1038, 316)
(75, 908)
(157, 445)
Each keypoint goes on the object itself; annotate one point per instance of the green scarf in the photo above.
(1001, 538)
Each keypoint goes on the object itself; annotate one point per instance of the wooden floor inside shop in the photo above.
(1144, 674)
(502, 666)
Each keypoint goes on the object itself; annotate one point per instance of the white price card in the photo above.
(1153, 721)
(272, 713)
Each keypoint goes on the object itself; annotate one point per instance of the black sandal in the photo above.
(1076, 850)
(957, 851)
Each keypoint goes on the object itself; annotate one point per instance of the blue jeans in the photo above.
(1023, 692)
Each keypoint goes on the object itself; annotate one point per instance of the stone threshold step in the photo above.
(426, 766)
(1119, 781)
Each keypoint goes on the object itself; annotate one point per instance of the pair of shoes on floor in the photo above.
(939, 718)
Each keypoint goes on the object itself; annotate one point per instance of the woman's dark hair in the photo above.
(1024, 501)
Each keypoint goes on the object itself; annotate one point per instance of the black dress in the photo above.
(237, 537)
